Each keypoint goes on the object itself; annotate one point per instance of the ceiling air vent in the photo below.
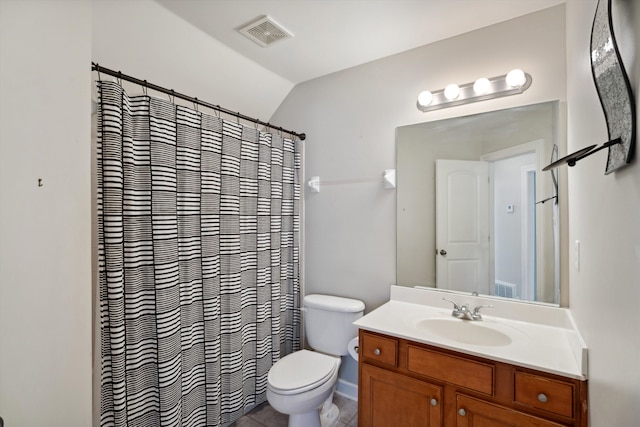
(265, 31)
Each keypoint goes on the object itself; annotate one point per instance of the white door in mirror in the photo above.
(462, 225)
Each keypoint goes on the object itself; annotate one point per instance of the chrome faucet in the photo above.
(464, 312)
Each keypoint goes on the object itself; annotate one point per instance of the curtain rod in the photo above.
(144, 83)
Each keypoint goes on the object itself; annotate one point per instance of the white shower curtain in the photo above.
(198, 257)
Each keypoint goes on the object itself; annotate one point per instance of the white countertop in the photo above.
(542, 337)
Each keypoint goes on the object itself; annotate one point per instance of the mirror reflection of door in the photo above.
(489, 137)
(473, 233)
(462, 225)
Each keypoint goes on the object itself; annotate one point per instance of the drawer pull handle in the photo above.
(462, 412)
(377, 352)
(542, 398)
(434, 402)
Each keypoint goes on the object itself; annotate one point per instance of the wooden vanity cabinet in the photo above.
(481, 413)
(398, 400)
(404, 383)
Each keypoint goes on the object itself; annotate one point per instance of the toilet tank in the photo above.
(329, 322)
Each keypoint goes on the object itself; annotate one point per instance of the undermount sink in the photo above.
(464, 331)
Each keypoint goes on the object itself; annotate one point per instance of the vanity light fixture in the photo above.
(481, 86)
(516, 78)
(452, 91)
(513, 83)
(425, 97)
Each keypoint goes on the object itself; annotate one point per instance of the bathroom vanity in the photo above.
(419, 366)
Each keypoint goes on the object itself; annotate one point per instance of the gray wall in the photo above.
(45, 231)
(350, 118)
(605, 218)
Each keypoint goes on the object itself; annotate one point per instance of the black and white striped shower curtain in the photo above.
(198, 235)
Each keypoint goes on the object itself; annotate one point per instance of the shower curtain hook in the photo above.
(98, 70)
(144, 88)
(120, 78)
(216, 111)
(195, 104)
(238, 117)
(172, 96)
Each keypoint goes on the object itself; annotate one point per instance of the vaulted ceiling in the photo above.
(332, 35)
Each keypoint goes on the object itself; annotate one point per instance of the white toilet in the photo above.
(301, 383)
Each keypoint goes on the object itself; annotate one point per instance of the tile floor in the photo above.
(265, 416)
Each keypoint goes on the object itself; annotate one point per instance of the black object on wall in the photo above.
(614, 91)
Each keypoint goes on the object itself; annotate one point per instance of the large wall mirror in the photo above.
(474, 211)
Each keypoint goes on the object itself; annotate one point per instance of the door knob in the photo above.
(443, 252)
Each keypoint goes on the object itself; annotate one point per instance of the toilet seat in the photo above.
(301, 371)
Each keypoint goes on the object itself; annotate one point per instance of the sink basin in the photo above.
(464, 331)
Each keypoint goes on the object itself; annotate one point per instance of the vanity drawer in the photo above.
(544, 393)
(464, 372)
(380, 349)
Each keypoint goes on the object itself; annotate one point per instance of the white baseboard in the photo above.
(347, 389)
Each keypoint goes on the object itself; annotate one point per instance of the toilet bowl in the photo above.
(300, 383)
(303, 382)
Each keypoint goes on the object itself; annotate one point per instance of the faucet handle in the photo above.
(476, 311)
(456, 307)
(478, 308)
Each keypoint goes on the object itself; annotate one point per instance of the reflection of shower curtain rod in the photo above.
(171, 92)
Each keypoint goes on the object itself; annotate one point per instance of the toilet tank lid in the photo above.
(333, 303)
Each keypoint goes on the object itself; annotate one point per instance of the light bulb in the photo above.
(516, 78)
(425, 98)
(451, 92)
(481, 86)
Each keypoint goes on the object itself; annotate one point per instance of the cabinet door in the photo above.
(477, 413)
(391, 399)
